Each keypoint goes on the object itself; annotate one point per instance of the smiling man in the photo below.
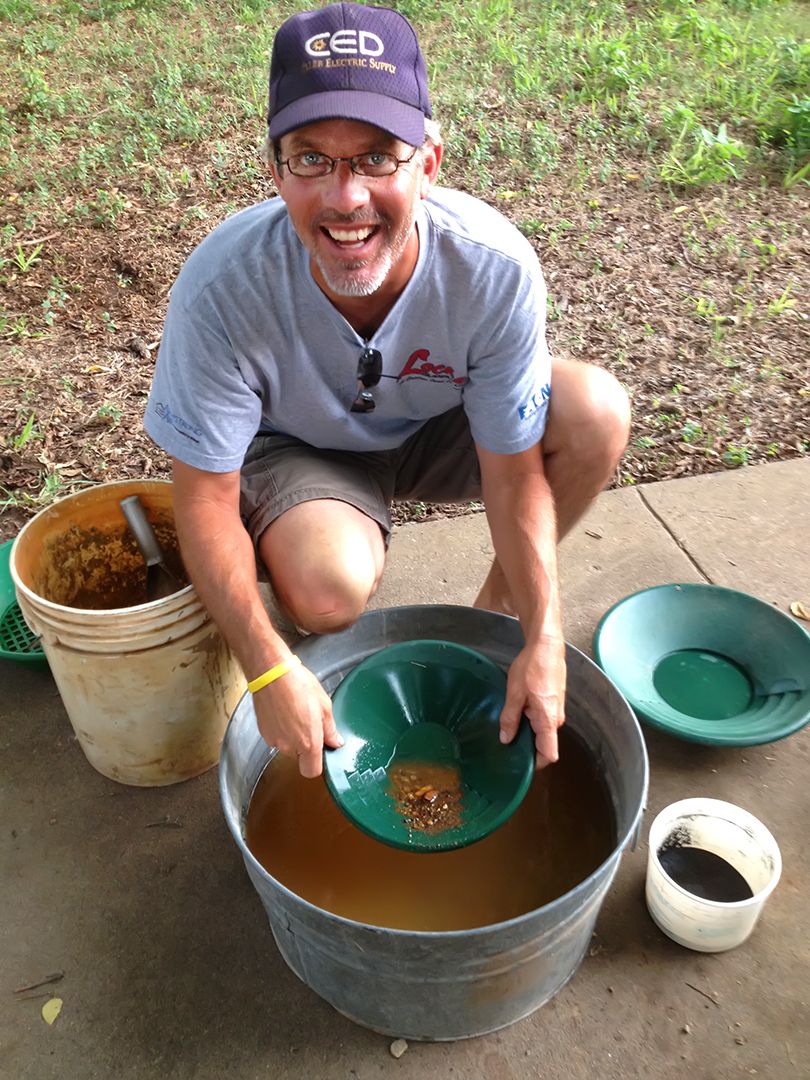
(368, 335)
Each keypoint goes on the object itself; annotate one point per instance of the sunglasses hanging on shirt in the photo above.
(369, 373)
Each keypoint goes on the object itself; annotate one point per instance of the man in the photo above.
(368, 335)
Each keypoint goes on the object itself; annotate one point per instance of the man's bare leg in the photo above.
(325, 560)
(586, 434)
(326, 557)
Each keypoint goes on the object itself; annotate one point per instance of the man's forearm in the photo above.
(218, 555)
(520, 509)
(524, 534)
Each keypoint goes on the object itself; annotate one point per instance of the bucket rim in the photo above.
(601, 871)
(35, 599)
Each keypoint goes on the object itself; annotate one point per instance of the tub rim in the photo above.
(629, 838)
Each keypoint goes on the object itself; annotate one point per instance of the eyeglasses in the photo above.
(369, 373)
(311, 165)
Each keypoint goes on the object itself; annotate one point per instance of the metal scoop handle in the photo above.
(143, 532)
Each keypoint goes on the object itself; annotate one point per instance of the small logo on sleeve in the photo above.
(537, 401)
(181, 426)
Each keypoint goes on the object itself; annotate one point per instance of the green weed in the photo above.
(737, 455)
(795, 136)
(798, 176)
(706, 310)
(614, 66)
(26, 434)
(14, 327)
(698, 157)
(691, 432)
(109, 413)
(783, 303)
(553, 310)
(52, 487)
(106, 207)
(54, 302)
(24, 261)
(531, 227)
(766, 249)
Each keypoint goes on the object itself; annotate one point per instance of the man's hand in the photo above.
(294, 713)
(536, 687)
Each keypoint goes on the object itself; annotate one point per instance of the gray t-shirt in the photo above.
(251, 343)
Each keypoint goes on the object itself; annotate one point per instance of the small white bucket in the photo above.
(148, 688)
(736, 836)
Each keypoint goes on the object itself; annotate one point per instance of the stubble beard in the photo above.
(347, 282)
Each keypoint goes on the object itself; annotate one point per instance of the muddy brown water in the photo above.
(100, 569)
(564, 829)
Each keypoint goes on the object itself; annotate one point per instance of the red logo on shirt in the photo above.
(417, 364)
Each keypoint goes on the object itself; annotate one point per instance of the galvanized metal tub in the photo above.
(456, 984)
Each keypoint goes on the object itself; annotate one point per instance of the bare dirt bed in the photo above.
(695, 301)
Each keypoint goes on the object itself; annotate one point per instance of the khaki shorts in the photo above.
(437, 464)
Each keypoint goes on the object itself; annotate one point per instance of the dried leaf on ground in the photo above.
(51, 1009)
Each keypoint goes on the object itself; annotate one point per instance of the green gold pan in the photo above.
(429, 703)
(708, 664)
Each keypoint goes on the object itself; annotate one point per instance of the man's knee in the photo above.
(609, 407)
(325, 560)
(590, 417)
(326, 612)
(326, 602)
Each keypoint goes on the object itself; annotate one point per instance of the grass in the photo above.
(53, 486)
(703, 87)
(146, 114)
(95, 92)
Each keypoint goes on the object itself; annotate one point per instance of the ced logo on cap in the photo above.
(345, 43)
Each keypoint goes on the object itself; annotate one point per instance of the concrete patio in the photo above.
(169, 966)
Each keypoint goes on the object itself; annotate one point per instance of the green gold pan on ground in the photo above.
(708, 664)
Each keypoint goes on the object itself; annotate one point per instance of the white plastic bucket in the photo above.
(736, 836)
(149, 688)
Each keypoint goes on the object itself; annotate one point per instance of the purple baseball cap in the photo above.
(349, 62)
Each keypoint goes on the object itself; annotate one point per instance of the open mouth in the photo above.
(350, 239)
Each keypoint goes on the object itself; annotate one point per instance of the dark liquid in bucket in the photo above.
(704, 874)
(564, 829)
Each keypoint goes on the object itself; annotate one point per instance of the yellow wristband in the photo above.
(272, 674)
